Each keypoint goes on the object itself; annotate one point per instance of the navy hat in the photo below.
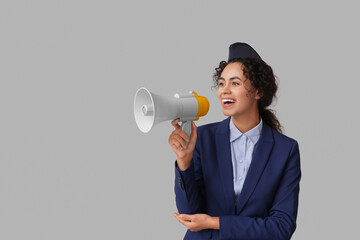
(242, 50)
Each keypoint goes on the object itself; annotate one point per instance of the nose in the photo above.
(226, 88)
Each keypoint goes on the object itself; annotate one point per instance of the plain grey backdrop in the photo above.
(73, 164)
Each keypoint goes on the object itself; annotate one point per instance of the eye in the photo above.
(235, 83)
(221, 84)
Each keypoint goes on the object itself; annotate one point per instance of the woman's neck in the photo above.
(246, 123)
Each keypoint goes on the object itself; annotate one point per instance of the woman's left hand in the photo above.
(197, 222)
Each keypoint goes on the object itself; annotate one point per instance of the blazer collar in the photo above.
(260, 158)
(223, 152)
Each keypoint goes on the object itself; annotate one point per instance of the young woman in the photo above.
(239, 178)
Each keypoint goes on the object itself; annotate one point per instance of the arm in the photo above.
(189, 187)
(281, 222)
(188, 173)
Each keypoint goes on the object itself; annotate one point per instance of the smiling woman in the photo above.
(239, 178)
(258, 78)
(237, 96)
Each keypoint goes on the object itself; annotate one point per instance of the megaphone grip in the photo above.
(186, 127)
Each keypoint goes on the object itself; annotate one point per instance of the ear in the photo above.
(258, 95)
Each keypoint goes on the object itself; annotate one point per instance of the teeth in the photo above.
(227, 100)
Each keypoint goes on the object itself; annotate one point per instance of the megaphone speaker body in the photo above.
(151, 109)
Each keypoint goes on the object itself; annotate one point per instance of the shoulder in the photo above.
(213, 128)
(210, 127)
(283, 140)
(282, 137)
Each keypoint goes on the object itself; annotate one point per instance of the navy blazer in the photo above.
(267, 205)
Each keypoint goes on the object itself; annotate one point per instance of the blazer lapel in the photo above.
(223, 152)
(258, 163)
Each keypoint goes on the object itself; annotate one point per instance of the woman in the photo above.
(239, 178)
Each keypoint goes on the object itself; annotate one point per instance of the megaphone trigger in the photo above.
(186, 127)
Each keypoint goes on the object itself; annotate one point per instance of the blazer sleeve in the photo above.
(281, 222)
(189, 186)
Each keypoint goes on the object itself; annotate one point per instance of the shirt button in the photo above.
(241, 161)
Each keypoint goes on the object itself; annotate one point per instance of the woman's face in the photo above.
(236, 94)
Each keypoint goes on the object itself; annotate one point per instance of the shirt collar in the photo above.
(253, 134)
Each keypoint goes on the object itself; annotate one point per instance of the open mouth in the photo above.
(227, 102)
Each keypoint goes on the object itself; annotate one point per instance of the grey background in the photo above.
(73, 164)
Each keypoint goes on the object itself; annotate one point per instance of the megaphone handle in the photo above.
(186, 127)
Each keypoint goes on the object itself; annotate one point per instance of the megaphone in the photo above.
(151, 109)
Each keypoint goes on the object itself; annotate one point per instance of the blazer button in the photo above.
(180, 184)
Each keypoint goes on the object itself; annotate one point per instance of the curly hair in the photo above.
(263, 80)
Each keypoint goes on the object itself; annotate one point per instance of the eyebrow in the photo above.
(232, 78)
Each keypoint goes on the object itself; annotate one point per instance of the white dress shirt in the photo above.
(242, 148)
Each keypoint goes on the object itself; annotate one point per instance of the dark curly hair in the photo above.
(263, 80)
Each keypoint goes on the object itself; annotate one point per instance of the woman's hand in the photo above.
(177, 142)
(197, 222)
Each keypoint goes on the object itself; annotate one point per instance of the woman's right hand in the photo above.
(177, 142)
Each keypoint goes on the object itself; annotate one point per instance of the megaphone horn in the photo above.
(151, 109)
